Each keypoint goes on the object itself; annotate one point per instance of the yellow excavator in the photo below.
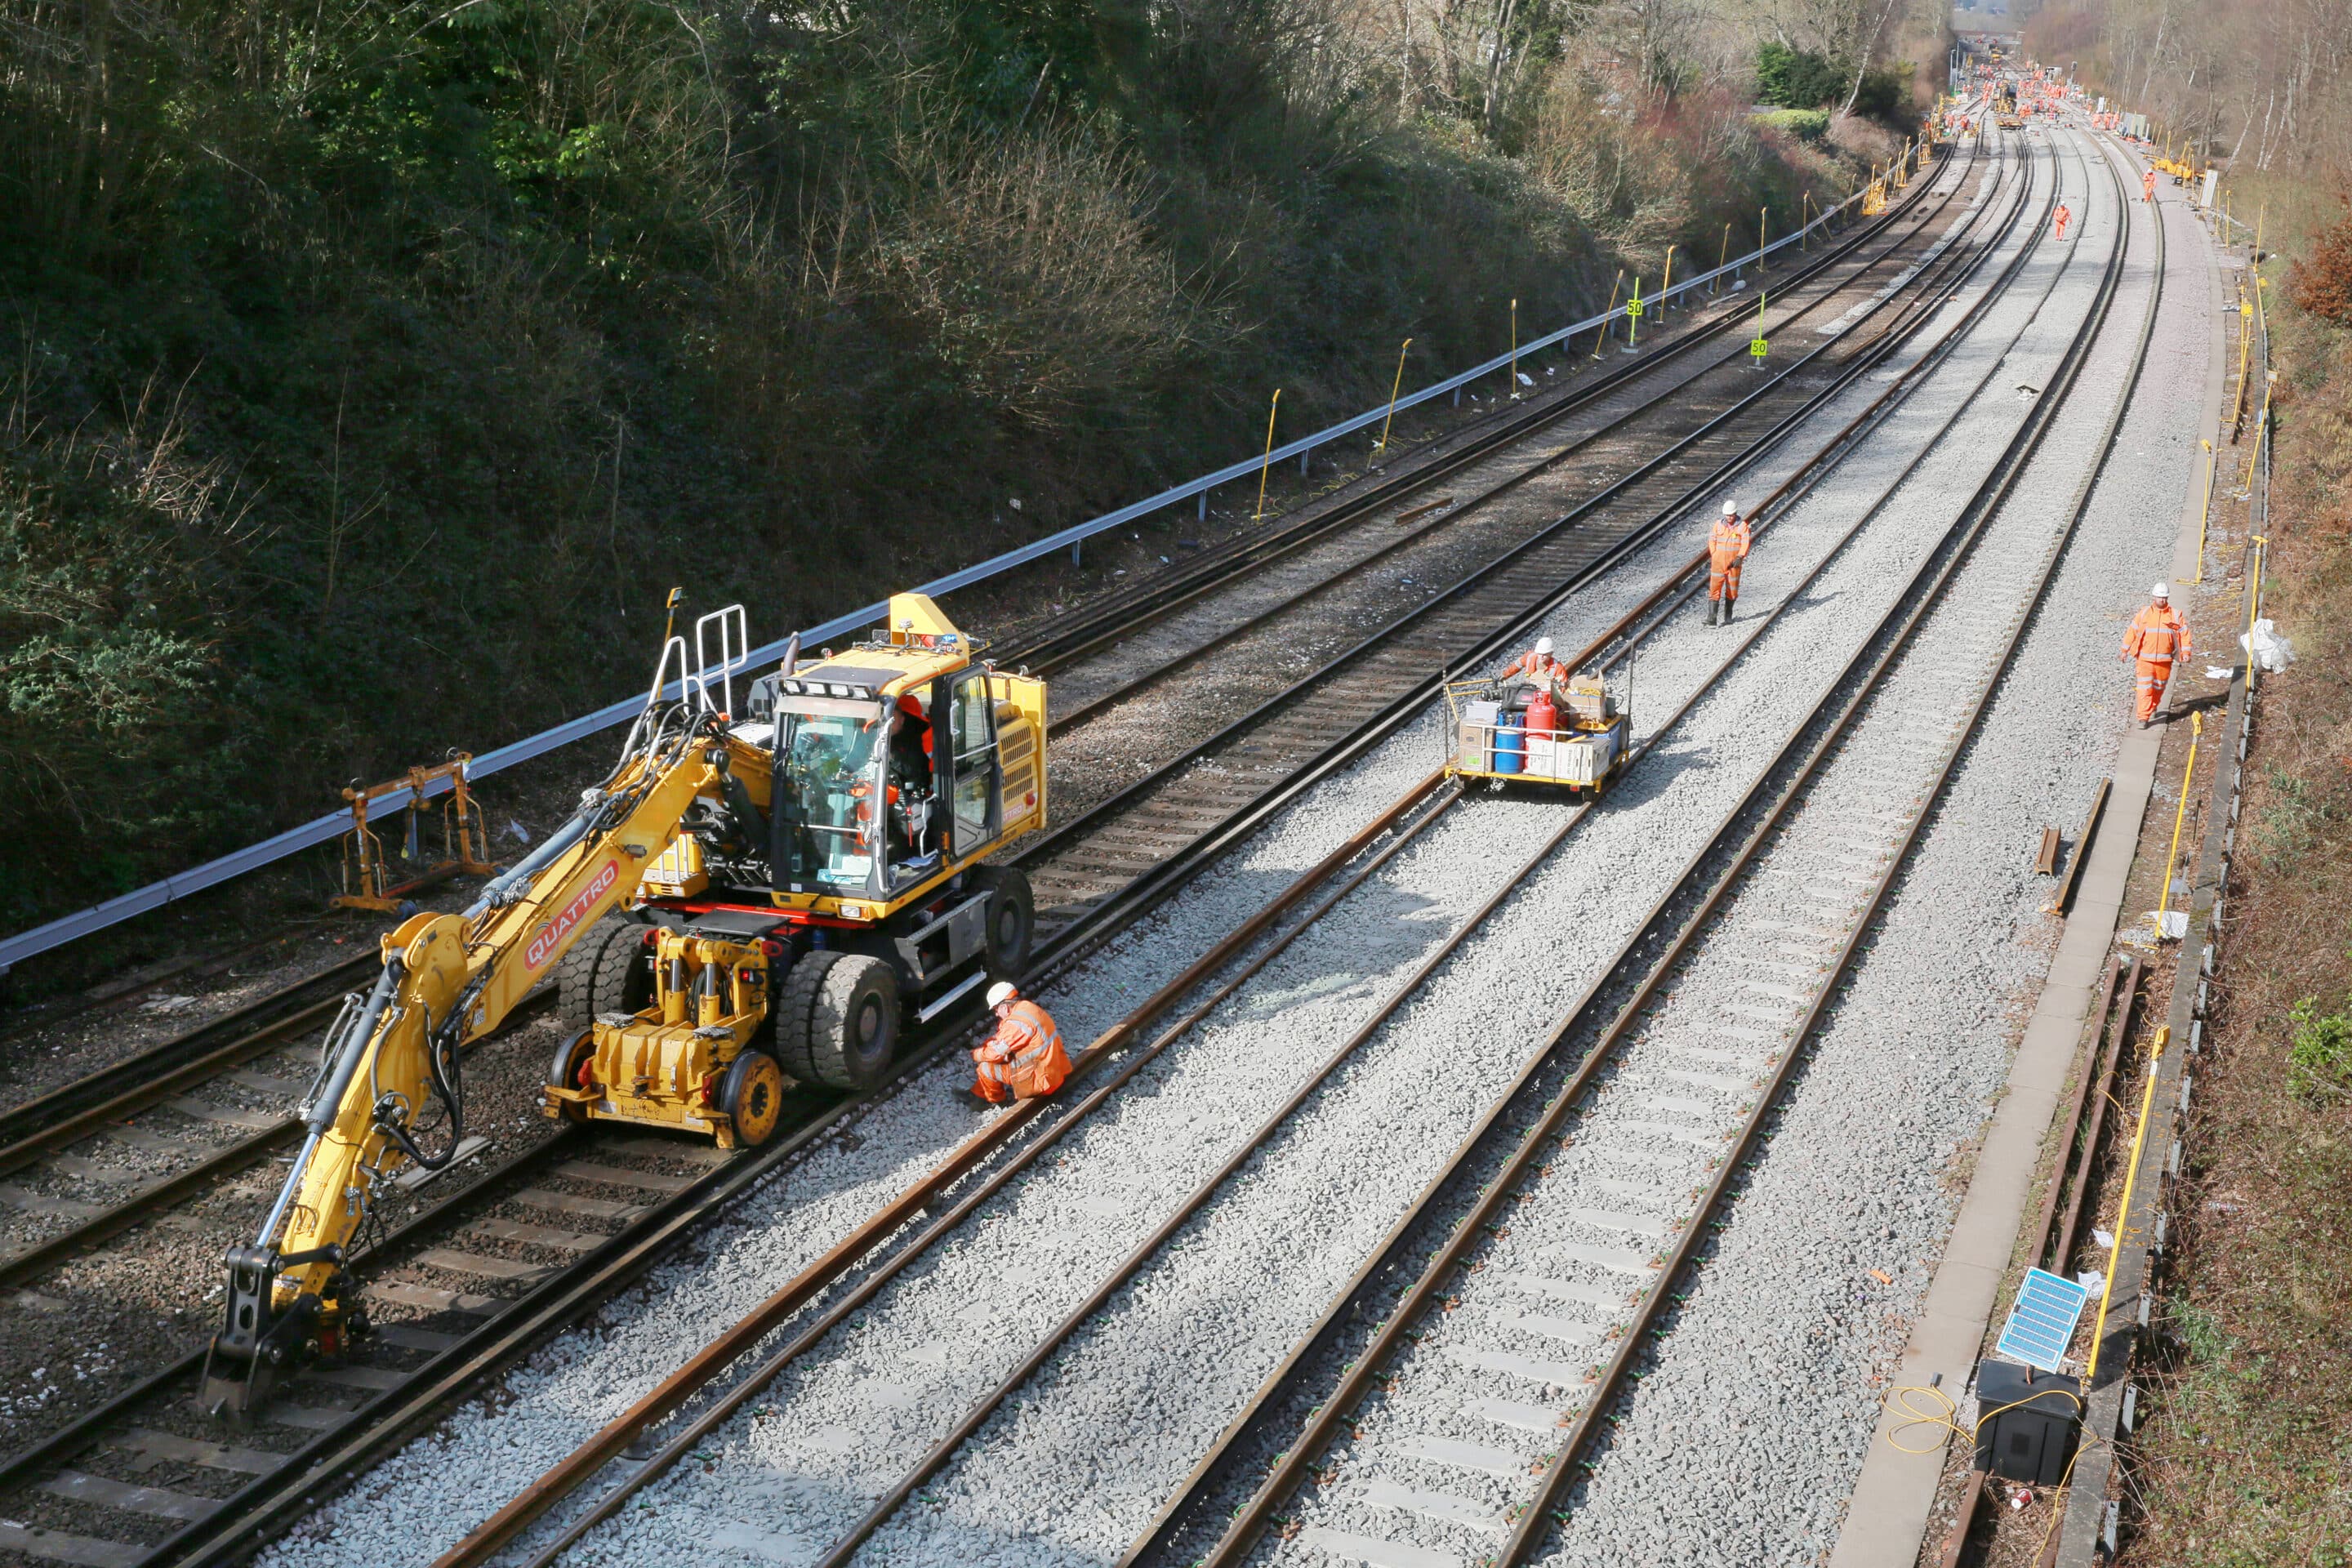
(744, 903)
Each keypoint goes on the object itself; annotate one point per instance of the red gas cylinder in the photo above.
(1543, 715)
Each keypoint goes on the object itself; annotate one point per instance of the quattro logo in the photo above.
(550, 936)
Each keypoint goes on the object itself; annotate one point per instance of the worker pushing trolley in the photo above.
(1537, 723)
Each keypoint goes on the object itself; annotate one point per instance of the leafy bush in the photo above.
(1799, 78)
(2321, 282)
(1804, 124)
(2319, 1053)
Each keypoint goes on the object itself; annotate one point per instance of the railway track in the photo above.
(183, 1160)
(1399, 820)
(1536, 1273)
(611, 1258)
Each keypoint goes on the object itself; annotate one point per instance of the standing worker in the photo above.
(2063, 216)
(2147, 186)
(1023, 1059)
(1727, 547)
(2157, 638)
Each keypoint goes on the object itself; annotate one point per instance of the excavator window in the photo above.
(973, 729)
(828, 776)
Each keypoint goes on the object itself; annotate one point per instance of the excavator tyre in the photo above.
(605, 972)
(1011, 917)
(838, 1022)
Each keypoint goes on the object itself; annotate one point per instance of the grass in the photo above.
(2246, 1459)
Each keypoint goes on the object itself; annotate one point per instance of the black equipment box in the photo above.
(2033, 1442)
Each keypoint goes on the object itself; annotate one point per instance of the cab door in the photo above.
(973, 770)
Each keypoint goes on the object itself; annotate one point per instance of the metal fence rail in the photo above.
(15, 950)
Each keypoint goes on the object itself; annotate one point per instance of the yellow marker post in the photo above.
(1723, 255)
(1804, 206)
(2254, 603)
(1271, 410)
(1668, 284)
(2261, 424)
(1396, 388)
(1515, 350)
(2123, 1211)
(2205, 513)
(1610, 314)
(2179, 814)
(1763, 222)
(1633, 317)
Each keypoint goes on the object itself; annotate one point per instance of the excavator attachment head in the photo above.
(259, 1343)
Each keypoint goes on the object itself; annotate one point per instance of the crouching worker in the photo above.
(1023, 1059)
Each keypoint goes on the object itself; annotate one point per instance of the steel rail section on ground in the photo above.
(1533, 1517)
(488, 1539)
(2091, 1519)
(15, 949)
(397, 1411)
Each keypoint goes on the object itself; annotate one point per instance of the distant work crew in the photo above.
(2157, 638)
(1727, 547)
(1023, 1059)
(1537, 666)
(2063, 216)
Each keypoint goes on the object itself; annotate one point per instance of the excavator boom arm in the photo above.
(447, 979)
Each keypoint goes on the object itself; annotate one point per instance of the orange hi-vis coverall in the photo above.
(2157, 638)
(1540, 668)
(2063, 216)
(1727, 547)
(2147, 187)
(1023, 1059)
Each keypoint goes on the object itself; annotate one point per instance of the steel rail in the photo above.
(1061, 949)
(23, 1125)
(1121, 614)
(1528, 1534)
(1890, 638)
(1623, 424)
(489, 1539)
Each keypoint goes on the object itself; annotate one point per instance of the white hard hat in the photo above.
(2161, 592)
(1731, 508)
(1543, 645)
(1001, 993)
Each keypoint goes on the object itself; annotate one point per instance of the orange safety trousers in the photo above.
(2149, 684)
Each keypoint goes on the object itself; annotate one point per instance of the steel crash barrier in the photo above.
(15, 949)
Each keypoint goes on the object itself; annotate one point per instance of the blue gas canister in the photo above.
(1510, 745)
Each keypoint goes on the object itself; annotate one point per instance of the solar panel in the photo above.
(2048, 1307)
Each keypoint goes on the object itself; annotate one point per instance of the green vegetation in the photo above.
(2319, 1055)
(369, 370)
(1805, 124)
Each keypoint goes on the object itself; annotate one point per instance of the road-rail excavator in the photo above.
(745, 902)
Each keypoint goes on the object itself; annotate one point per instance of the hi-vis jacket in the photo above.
(2158, 636)
(1026, 1051)
(1727, 545)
